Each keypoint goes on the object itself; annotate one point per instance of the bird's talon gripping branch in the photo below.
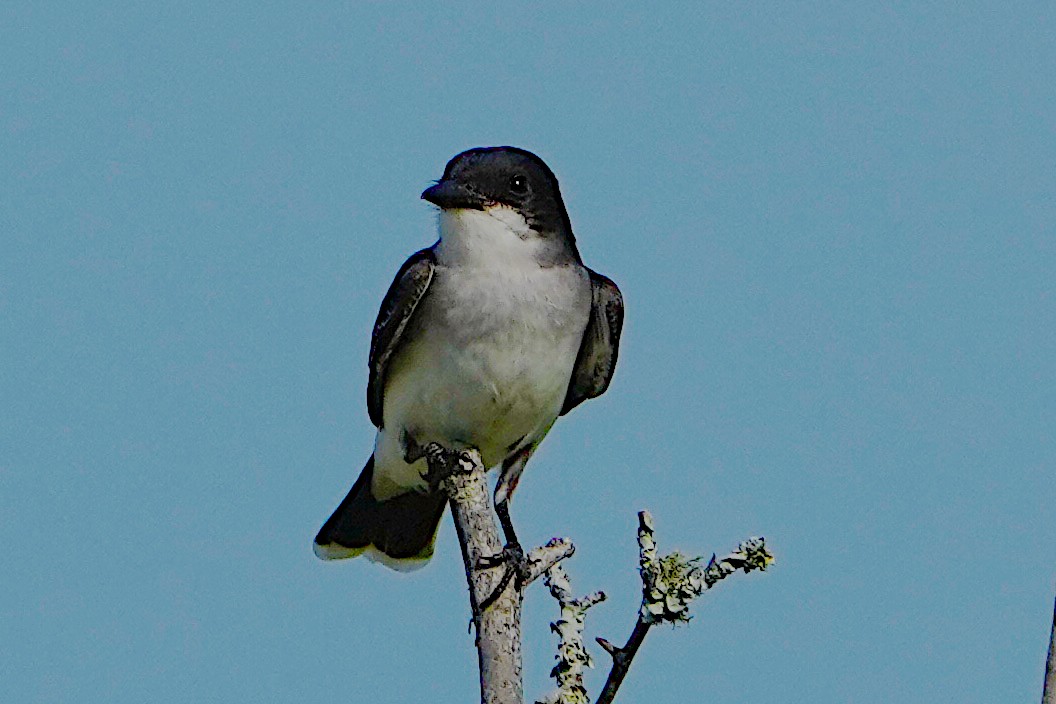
(465, 461)
(512, 553)
(492, 561)
(438, 464)
(518, 569)
(442, 463)
(519, 563)
(497, 591)
(436, 453)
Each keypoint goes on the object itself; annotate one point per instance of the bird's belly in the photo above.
(486, 366)
(489, 393)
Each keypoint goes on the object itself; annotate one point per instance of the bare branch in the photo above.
(669, 584)
(499, 626)
(621, 659)
(543, 558)
(494, 596)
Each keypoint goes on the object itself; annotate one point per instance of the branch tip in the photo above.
(607, 646)
(545, 557)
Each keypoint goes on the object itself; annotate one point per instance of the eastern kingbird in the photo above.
(482, 341)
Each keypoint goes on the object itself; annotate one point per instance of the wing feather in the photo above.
(596, 361)
(398, 306)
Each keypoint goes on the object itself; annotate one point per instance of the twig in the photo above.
(546, 557)
(572, 656)
(669, 584)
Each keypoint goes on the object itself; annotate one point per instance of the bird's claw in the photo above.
(518, 563)
(518, 569)
(437, 464)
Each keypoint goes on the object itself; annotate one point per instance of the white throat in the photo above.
(493, 235)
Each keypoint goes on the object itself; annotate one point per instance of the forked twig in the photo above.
(669, 584)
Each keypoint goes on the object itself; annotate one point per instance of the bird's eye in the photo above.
(518, 184)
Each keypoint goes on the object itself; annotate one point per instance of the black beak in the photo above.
(452, 194)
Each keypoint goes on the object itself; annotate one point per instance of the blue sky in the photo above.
(833, 226)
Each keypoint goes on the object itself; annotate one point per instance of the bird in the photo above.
(482, 341)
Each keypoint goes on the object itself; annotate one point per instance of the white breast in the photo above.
(490, 363)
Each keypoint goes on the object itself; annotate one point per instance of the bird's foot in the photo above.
(517, 568)
(512, 557)
(439, 462)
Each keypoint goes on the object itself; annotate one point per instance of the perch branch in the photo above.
(461, 476)
(494, 598)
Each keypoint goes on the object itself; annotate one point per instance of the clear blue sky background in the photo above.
(834, 227)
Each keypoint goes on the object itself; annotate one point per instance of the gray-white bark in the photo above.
(498, 627)
(572, 655)
(669, 584)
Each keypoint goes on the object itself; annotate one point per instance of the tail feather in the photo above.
(398, 532)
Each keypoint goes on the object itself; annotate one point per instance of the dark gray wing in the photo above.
(601, 342)
(404, 294)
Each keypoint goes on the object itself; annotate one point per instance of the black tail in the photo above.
(398, 532)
